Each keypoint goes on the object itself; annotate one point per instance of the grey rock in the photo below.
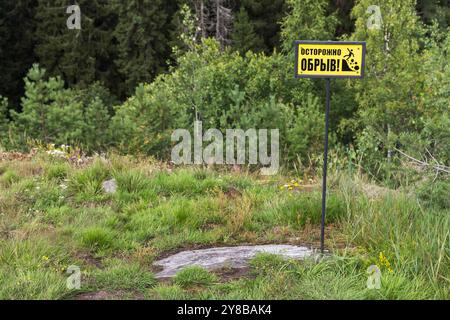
(109, 186)
(231, 257)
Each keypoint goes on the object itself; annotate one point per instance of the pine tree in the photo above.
(53, 114)
(49, 112)
(244, 37)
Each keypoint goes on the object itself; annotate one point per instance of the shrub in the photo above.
(224, 90)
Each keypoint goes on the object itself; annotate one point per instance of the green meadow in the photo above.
(55, 214)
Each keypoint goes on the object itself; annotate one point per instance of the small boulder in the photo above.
(109, 186)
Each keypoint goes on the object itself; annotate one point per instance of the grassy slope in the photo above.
(53, 214)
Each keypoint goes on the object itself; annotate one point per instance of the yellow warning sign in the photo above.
(329, 59)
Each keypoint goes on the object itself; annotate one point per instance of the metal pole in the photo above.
(325, 162)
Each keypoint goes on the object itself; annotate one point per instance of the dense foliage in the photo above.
(171, 63)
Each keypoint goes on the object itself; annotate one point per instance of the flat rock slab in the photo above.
(230, 257)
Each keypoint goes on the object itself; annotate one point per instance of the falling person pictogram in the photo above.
(348, 63)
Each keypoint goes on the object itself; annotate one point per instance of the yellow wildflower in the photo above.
(385, 262)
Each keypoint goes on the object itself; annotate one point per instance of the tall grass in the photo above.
(415, 237)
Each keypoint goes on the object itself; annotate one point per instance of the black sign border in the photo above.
(299, 76)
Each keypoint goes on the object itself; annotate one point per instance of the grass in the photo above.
(120, 275)
(96, 238)
(8, 178)
(194, 276)
(54, 214)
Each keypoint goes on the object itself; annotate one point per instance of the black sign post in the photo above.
(325, 163)
(328, 59)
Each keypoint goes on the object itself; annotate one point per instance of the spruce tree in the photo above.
(4, 121)
(16, 46)
(244, 37)
(143, 40)
(265, 16)
(438, 10)
(83, 56)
